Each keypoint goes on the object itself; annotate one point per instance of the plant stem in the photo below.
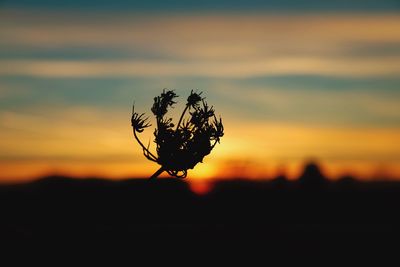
(144, 148)
(157, 173)
(180, 120)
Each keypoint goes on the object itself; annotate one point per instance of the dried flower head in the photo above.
(194, 99)
(182, 147)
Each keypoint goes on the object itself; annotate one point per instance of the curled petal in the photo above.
(139, 122)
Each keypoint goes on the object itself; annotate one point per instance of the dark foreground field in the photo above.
(305, 218)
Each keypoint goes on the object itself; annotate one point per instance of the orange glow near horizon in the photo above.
(284, 150)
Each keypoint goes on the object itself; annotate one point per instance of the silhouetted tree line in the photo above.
(306, 215)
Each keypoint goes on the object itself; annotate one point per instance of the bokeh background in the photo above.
(294, 81)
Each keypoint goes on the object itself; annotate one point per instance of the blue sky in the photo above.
(341, 75)
(274, 5)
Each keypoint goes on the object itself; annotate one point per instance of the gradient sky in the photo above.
(293, 81)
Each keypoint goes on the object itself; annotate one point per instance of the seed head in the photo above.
(181, 149)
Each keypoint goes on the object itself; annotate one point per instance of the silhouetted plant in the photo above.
(180, 147)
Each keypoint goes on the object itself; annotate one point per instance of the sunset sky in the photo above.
(293, 81)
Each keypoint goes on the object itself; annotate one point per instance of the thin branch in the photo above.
(157, 173)
(145, 150)
(215, 143)
(180, 120)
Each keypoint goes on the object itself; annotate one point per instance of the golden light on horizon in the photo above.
(281, 147)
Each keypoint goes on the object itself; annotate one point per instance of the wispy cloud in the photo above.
(203, 45)
(349, 106)
(345, 67)
(201, 36)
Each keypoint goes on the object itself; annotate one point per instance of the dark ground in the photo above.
(278, 219)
